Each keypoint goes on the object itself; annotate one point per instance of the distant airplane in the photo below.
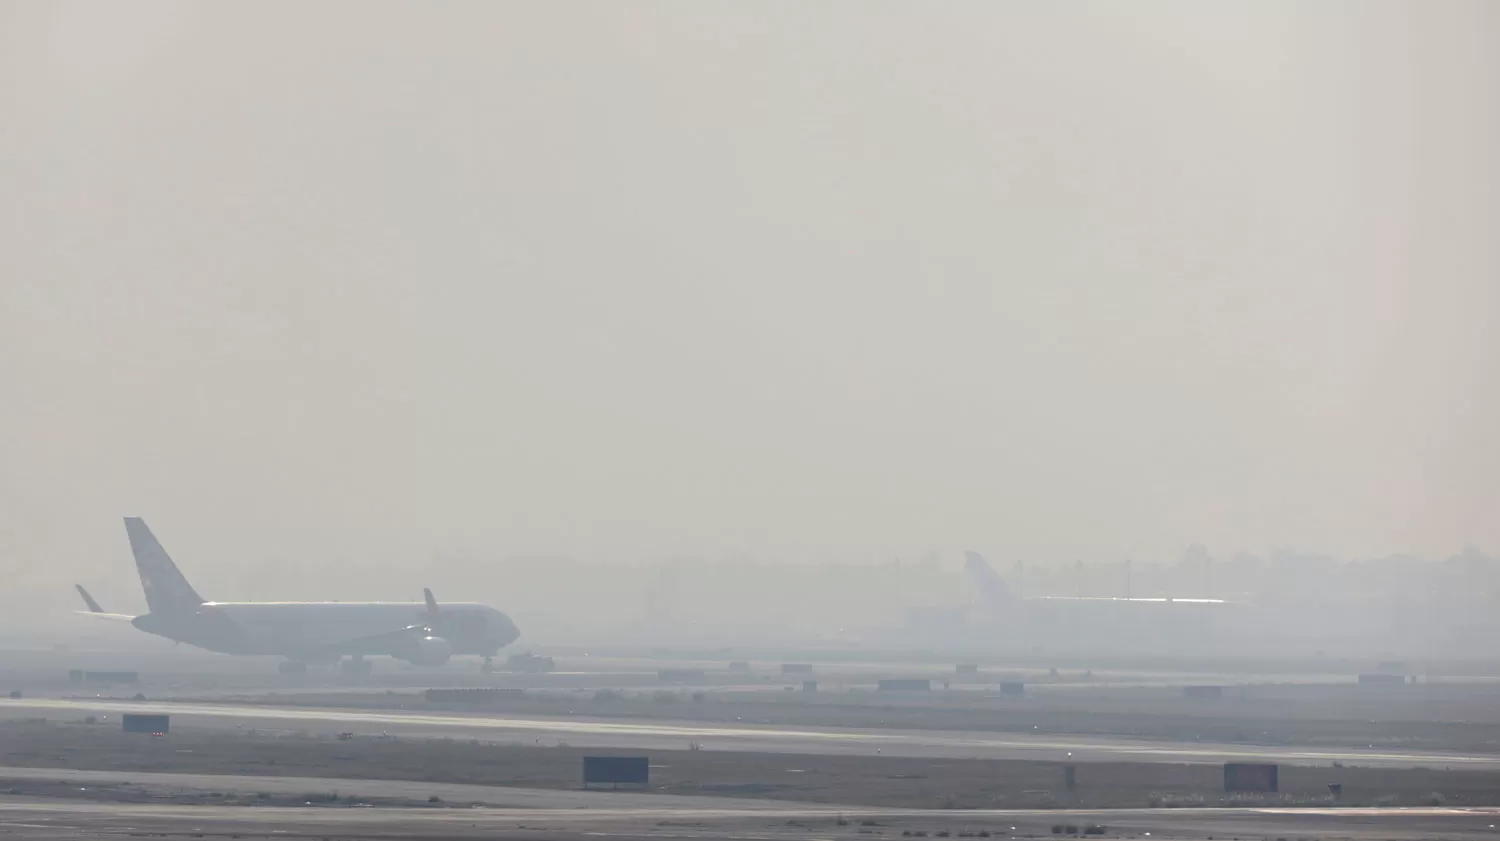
(422, 633)
(1097, 623)
(994, 593)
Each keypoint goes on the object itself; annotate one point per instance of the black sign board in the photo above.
(140, 723)
(1244, 776)
(615, 770)
(905, 685)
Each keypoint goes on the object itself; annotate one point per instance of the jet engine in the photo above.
(430, 651)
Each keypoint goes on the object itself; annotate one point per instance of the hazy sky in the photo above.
(351, 283)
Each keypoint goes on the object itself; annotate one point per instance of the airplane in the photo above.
(1097, 623)
(996, 593)
(422, 633)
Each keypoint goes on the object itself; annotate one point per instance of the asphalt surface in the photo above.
(68, 818)
(582, 732)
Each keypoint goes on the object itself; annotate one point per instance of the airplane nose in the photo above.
(509, 633)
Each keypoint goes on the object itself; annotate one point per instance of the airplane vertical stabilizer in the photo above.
(167, 591)
(993, 591)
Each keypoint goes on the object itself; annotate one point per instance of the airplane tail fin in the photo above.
(992, 588)
(166, 590)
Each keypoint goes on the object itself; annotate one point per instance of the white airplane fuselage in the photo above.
(425, 633)
(329, 630)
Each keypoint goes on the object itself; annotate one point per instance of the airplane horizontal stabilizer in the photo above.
(113, 617)
(95, 610)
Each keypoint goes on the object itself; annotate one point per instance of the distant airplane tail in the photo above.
(166, 590)
(992, 588)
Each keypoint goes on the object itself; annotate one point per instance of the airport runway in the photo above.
(582, 732)
(39, 818)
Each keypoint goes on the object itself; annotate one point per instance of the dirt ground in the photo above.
(883, 781)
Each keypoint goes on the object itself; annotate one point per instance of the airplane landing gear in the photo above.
(291, 667)
(356, 666)
(489, 665)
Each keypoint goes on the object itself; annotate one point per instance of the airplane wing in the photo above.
(383, 643)
(419, 643)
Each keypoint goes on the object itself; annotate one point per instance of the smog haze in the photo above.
(349, 299)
